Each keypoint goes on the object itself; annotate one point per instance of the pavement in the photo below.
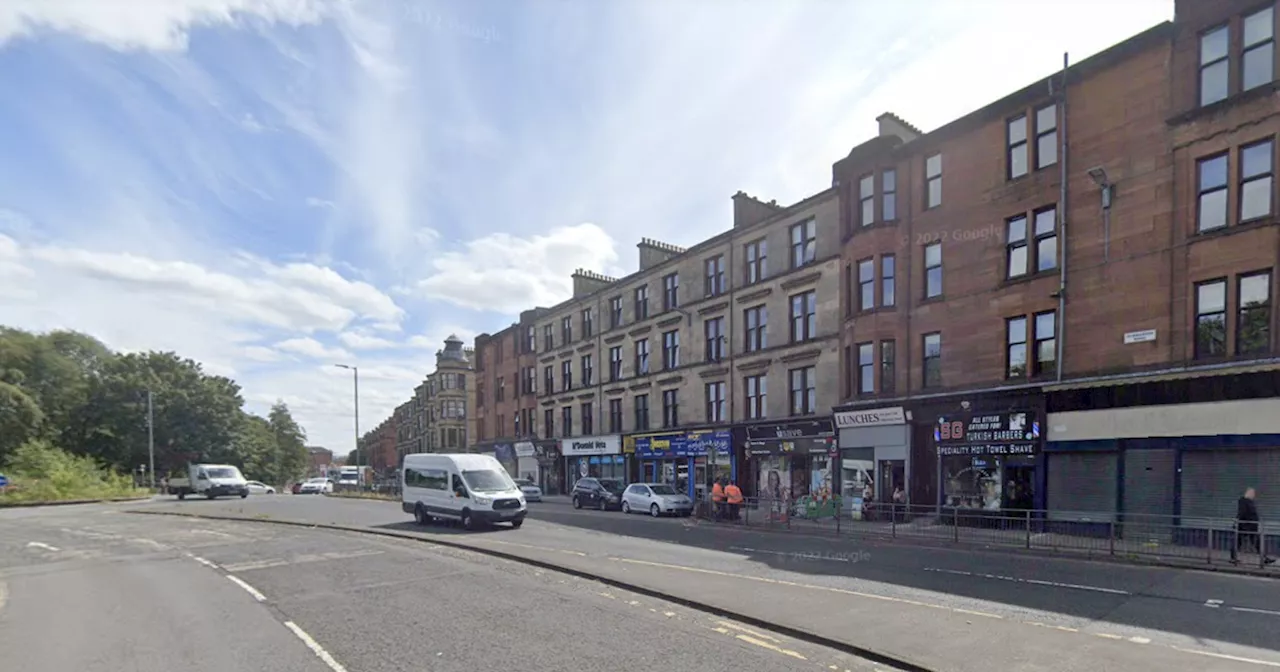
(94, 589)
(941, 608)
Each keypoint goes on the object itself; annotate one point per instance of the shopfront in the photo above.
(551, 472)
(988, 461)
(527, 466)
(594, 456)
(874, 453)
(792, 462)
(688, 461)
(506, 455)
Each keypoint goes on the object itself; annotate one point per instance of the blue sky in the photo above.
(275, 186)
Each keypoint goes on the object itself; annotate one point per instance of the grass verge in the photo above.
(365, 495)
(39, 473)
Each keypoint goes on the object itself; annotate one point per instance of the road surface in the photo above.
(1063, 613)
(93, 589)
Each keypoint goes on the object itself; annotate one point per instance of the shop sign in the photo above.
(1009, 433)
(875, 417)
(591, 445)
(687, 444)
(525, 449)
(790, 431)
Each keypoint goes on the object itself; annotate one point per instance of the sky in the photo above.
(274, 187)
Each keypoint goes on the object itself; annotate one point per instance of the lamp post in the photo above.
(151, 440)
(355, 373)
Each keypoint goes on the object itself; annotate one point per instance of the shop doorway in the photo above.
(893, 475)
(1019, 487)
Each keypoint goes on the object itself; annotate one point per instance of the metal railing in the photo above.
(1182, 539)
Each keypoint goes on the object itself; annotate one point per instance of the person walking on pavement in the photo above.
(717, 499)
(734, 494)
(1247, 527)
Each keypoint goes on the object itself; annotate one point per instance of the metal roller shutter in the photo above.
(1212, 481)
(1149, 486)
(1082, 486)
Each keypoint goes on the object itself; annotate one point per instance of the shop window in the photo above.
(804, 390)
(1211, 319)
(888, 365)
(972, 482)
(642, 412)
(1253, 323)
(757, 397)
(670, 408)
(1016, 347)
(932, 359)
(1045, 357)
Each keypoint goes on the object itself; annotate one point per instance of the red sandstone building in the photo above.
(1063, 300)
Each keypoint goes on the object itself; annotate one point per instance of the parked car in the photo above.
(657, 499)
(602, 493)
(316, 486)
(260, 488)
(532, 493)
(296, 488)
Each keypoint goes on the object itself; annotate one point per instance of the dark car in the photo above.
(601, 493)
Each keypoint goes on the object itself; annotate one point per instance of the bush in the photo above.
(40, 472)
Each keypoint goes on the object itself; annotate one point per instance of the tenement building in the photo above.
(708, 361)
(1063, 301)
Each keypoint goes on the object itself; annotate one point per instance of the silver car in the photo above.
(532, 493)
(657, 499)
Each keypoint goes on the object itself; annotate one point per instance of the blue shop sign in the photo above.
(687, 444)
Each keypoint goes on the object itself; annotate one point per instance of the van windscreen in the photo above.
(487, 480)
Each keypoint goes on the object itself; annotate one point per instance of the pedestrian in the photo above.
(1247, 527)
(734, 494)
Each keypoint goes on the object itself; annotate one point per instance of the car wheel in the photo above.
(243, 495)
(655, 511)
(577, 504)
(468, 523)
(600, 504)
(515, 524)
(420, 515)
(626, 506)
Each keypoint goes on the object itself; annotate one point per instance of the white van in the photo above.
(468, 488)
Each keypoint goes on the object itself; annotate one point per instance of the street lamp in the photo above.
(355, 372)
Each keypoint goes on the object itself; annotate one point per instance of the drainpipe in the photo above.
(730, 273)
(1061, 322)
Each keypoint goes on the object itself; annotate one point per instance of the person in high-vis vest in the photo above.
(717, 499)
(734, 494)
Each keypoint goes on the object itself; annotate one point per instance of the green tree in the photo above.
(291, 443)
(20, 418)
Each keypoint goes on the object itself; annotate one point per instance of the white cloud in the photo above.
(360, 341)
(505, 273)
(310, 347)
(143, 24)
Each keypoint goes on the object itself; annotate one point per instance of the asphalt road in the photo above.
(90, 588)
(1213, 621)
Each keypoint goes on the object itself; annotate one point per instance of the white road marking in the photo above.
(206, 563)
(41, 544)
(1224, 656)
(91, 535)
(1248, 610)
(248, 588)
(1034, 582)
(1139, 640)
(315, 647)
(152, 543)
(798, 556)
(1213, 604)
(301, 559)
